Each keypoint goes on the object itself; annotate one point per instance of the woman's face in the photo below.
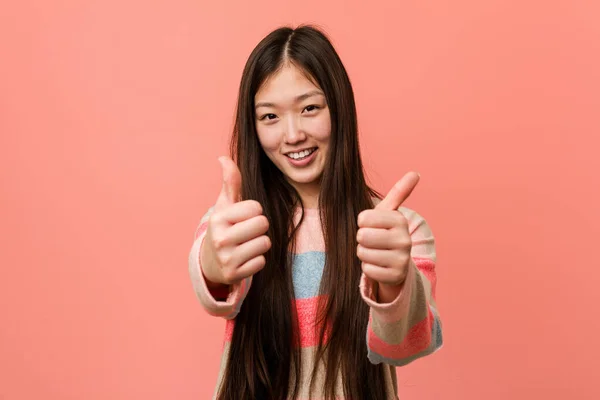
(294, 126)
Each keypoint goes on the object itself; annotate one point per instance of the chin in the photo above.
(304, 180)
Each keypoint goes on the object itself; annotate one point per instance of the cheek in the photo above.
(322, 128)
(268, 139)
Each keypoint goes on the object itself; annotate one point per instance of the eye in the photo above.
(310, 108)
(268, 117)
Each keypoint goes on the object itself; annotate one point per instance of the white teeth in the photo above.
(301, 154)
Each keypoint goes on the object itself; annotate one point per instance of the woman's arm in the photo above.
(409, 327)
(218, 300)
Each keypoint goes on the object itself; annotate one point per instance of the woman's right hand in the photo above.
(235, 241)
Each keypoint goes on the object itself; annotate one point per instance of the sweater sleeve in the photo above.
(409, 327)
(224, 303)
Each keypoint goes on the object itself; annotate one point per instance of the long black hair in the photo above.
(264, 359)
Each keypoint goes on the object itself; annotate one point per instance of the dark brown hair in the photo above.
(265, 353)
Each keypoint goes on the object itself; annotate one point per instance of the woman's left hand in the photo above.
(384, 242)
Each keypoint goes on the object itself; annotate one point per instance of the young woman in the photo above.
(326, 287)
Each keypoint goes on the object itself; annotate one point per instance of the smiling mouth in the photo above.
(302, 154)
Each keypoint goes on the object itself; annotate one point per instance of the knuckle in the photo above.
(262, 261)
(402, 242)
(218, 241)
(264, 223)
(360, 251)
(229, 276)
(397, 275)
(359, 235)
(363, 217)
(267, 242)
(402, 262)
(402, 257)
(256, 205)
(216, 219)
(399, 219)
(224, 259)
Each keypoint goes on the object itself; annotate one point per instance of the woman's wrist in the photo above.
(388, 293)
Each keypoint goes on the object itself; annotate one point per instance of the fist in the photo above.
(235, 241)
(384, 242)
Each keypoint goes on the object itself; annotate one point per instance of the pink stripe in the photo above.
(229, 329)
(307, 316)
(427, 267)
(239, 295)
(307, 313)
(203, 226)
(417, 339)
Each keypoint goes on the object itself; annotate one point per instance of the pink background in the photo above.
(113, 114)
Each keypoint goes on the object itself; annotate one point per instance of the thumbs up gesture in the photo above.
(384, 242)
(235, 241)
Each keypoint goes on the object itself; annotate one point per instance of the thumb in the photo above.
(232, 182)
(399, 192)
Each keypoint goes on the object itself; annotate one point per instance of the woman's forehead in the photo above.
(286, 84)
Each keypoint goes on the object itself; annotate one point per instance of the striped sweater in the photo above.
(398, 332)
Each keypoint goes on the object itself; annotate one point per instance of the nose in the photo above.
(294, 132)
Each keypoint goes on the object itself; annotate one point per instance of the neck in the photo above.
(309, 193)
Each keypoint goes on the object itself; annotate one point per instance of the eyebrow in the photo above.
(298, 99)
